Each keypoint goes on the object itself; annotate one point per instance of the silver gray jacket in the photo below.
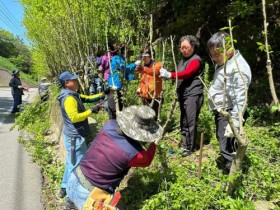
(235, 86)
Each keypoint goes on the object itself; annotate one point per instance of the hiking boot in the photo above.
(186, 153)
(228, 166)
(62, 193)
(69, 205)
(15, 111)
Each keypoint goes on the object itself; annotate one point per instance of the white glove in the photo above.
(157, 141)
(138, 62)
(138, 91)
(164, 73)
(228, 132)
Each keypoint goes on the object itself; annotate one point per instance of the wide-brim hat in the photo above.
(65, 76)
(138, 123)
(14, 72)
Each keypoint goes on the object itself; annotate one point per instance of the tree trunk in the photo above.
(268, 62)
(271, 84)
(236, 166)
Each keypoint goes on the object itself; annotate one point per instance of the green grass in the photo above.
(171, 181)
(7, 65)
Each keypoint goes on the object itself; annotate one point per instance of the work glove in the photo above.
(22, 87)
(157, 141)
(228, 132)
(138, 62)
(164, 73)
(96, 108)
(138, 91)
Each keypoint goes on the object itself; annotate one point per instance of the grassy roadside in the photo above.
(5, 64)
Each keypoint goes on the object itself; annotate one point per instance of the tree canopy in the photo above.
(66, 32)
(15, 50)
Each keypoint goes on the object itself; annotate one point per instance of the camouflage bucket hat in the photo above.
(138, 123)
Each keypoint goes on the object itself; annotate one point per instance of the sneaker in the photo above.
(69, 205)
(186, 153)
(62, 193)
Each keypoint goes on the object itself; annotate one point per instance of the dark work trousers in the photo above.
(17, 102)
(190, 108)
(112, 104)
(226, 144)
(155, 106)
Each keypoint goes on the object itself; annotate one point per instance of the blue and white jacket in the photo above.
(120, 71)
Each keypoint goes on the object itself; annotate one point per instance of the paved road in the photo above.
(20, 179)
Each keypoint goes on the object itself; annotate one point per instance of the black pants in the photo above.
(155, 106)
(226, 144)
(17, 102)
(112, 104)
(190, 108)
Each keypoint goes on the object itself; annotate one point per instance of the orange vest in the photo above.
(148, 85)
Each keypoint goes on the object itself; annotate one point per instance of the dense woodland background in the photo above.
(64, 33)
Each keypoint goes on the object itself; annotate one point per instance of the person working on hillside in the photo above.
(104, 66)
(76, 126)
(189, 90)
(236, 83)
(17, 90)
(43, 89)
(115, 149)
(120, 71)
(150, 83)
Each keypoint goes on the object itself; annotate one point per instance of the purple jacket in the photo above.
(106, 161)
(104, 66)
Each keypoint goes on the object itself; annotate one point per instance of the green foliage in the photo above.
(64, 32)
(262, 116)
(172, 183)
(241, 8)
(23, 63)
(40, 66)
(261, 47)
(262, 165)
(13, 48)
(274, 108)
(8, 44)
(6, 64)
(34, 114)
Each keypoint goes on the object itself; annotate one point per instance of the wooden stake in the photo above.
(200, 155)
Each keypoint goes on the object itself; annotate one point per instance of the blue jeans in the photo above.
(80, 149)
(76, 192)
